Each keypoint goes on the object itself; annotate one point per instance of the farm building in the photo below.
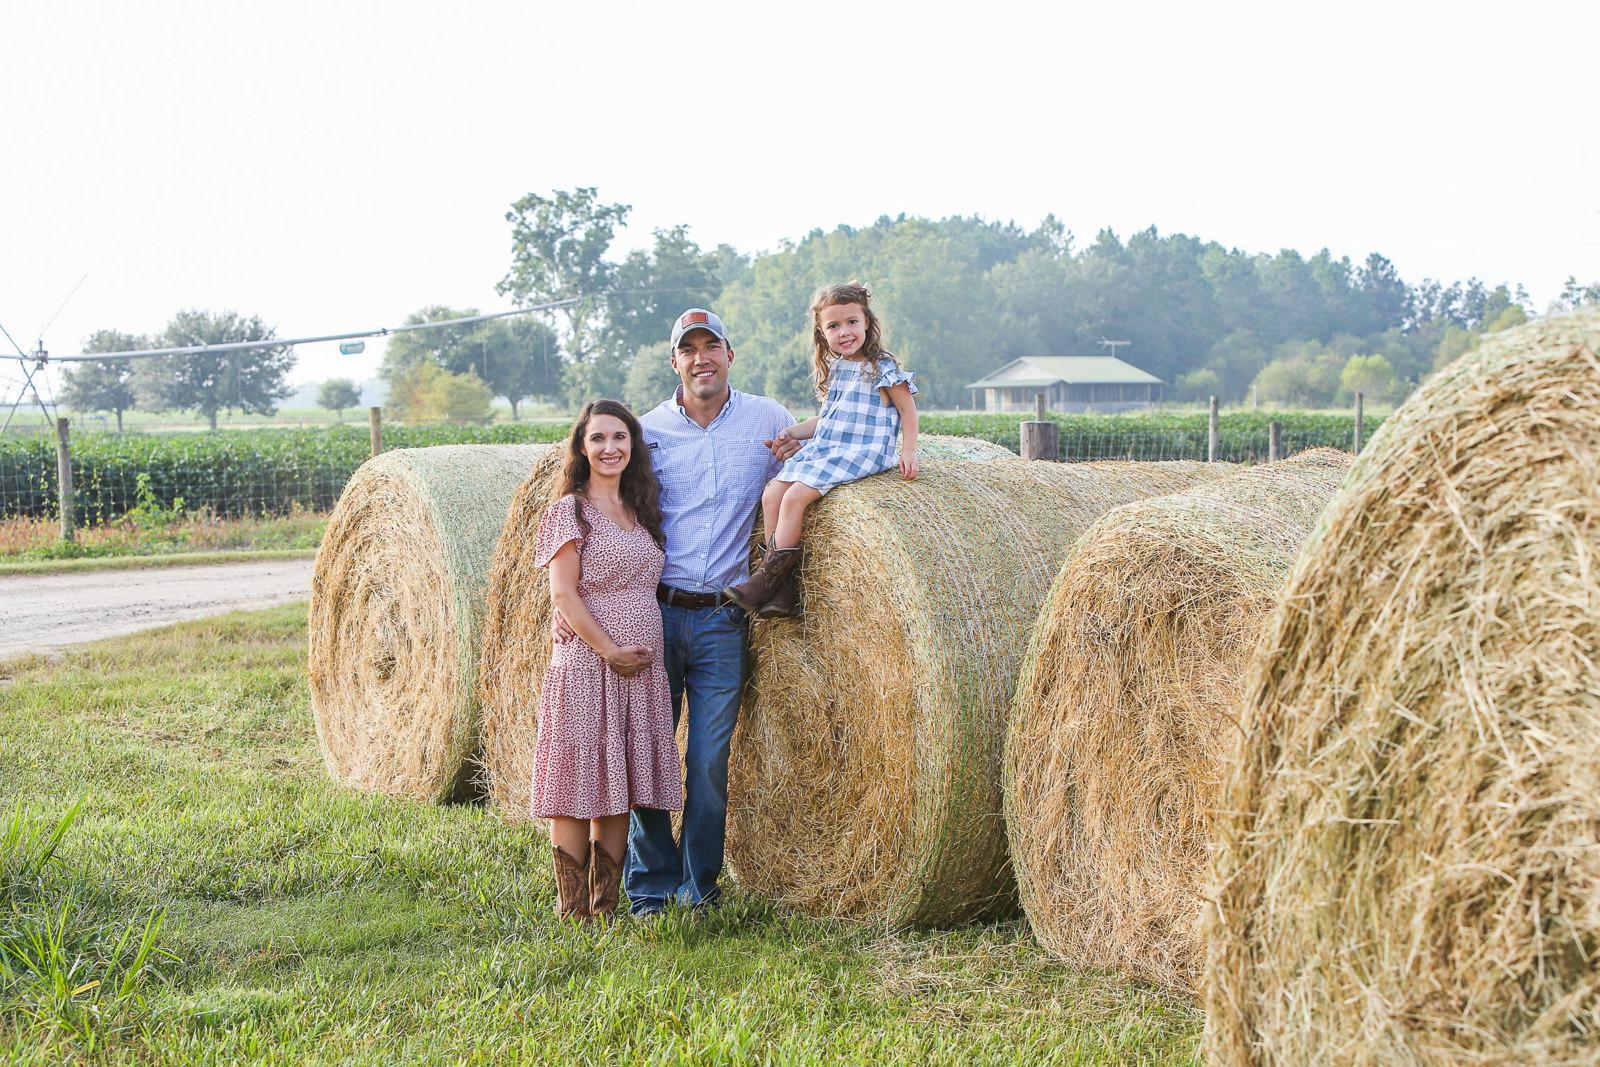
(1069, 383)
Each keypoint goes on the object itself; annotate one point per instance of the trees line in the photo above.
(960, 296)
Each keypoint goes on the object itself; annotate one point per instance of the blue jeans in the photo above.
(706, 662)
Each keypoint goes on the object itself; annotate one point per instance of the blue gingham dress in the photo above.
(856, 431)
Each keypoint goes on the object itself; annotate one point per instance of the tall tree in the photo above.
(104, 385)
(558, 249)
(1574, 295)
(249, 380)
(450, 347)
(515, 357)
(651, 287)
(336, 394)
(1387, 299)
(651, 378)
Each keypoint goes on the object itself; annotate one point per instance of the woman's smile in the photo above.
(608, 445)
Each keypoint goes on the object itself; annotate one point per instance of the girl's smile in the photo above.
(844, 327)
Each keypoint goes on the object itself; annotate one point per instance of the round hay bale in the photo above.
(948, 446)
(1127, 708)
(516, 646)
(1407, 864)
(397, 596)
(865, 776)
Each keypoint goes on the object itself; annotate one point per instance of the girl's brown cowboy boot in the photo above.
(785, 602)
(572, 884)
(752, 595)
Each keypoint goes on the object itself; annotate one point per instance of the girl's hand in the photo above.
(783, 445)
(908, 466)
(629, 660)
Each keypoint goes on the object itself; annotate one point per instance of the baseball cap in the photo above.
(698, 319)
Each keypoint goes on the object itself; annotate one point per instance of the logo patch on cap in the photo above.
(693, 318)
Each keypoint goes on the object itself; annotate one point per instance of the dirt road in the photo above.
(40, 613)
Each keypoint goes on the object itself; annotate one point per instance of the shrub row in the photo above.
(231, 472)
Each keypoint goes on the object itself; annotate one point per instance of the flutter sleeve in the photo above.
(557, 526)
(894, 376)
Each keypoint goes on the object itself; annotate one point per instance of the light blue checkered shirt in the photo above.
(711, 482)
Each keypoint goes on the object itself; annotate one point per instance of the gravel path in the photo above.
(44, 612)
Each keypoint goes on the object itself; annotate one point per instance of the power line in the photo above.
(46, 327)
(283, 342)
(13, 340)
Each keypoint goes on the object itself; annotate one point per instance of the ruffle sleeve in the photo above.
(557, 526)
(894, 376)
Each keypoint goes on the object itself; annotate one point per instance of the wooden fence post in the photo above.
(64, 479)
(375, 424)
(1360, 405)
(1274, 441)
(1211, 433)
(1041, 438)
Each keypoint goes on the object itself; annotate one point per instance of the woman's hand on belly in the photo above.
(629, 660)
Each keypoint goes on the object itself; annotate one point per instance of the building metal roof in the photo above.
(1032, 372)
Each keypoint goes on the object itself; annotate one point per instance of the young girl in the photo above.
(605, 743)
(867, 402)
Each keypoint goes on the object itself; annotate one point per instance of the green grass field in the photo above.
(294, 922)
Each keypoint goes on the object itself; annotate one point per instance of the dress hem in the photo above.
(606, 815)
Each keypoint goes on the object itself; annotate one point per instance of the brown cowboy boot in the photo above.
(572, 884)
(752, 595)
(605, 880)
(785, 602)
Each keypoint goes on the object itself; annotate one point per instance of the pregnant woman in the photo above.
(605, 743)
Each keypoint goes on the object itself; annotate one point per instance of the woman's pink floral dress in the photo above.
(605, 742)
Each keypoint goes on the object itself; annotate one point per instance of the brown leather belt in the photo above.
(678, 598)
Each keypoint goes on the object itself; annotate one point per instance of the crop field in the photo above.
(217, 900)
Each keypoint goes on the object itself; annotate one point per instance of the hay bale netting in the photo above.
(397, 597)
(948, 446)
(1127, 708)
(865, 777)
(1407, 867)
(517, 628)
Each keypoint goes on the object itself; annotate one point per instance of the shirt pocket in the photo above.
(679, 475)
(749, 468)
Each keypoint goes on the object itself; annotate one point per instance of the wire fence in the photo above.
(226, 482)
(1232, 446)
(240, 474)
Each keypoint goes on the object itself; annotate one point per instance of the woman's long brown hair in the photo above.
(639, 489)
(872, 350)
